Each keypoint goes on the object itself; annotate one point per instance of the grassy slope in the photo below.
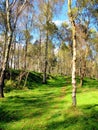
(48, 107)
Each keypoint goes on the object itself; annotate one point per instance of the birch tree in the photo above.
(47, 11)
(72, 21)
(13, 10)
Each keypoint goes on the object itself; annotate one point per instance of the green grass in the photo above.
(48, 107)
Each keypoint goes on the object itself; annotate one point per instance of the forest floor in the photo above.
(48, 107)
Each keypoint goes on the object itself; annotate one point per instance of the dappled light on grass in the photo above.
(48, 107)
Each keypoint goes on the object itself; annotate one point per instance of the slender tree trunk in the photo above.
(40, 54)
(25, 55)
(45, 60)
(11, 57)
(26, 79)
(74, 54)
(74, 68)
(9, 40)
(80, 73)
(4, 46)
(81, 78)
(14, 58)
(2, 77)
(18, 56)
(2, 84)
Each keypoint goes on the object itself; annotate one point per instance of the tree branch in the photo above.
(20, 11)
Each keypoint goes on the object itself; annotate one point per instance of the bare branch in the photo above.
(20, 11)
(13, 3)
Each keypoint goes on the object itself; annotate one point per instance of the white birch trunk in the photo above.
(74, 88)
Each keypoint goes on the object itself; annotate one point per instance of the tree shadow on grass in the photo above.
(15, 108)
(85, 121)
(18, 107)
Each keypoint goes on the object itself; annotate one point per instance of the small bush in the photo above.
(9, 85)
